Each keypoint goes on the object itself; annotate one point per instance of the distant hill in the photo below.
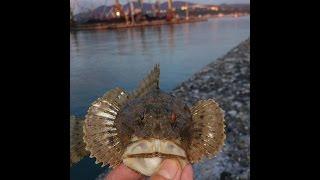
(176, 4)
(240, 7)
(236, 5)
(99, 11)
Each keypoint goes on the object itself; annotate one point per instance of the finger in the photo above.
(169, 170)
(187, 173)
(122, 172)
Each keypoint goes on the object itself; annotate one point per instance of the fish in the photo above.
(143, 127)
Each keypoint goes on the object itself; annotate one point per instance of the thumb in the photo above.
(169, 170)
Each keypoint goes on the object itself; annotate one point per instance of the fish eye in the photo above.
(140, 119)
(173, 117)
(141, 116)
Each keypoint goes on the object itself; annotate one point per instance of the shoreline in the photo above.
(227, 81)
(105, 26)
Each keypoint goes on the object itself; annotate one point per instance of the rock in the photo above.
(196, 91)
(237, 104)
(232, 113)
(225, 176)
(206, 77)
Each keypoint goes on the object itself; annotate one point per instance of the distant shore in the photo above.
(105, 26)
(102, 26)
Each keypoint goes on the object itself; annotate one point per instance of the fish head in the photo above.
(153, 128)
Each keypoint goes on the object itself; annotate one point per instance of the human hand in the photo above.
(169, 170)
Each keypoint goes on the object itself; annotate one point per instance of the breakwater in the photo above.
(226, 80)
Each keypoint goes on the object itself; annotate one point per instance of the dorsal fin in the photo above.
(150, 82)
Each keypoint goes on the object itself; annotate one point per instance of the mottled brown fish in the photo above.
(144, 127)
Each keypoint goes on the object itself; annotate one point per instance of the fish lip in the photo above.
(155, 154)
(155, 138)
(158, 148)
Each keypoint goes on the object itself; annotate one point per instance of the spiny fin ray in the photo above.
(150, 82)
(100, 134)
(77, 146)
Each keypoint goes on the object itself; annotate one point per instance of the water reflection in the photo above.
(159, 33)
(143, 40)
(215, 30)
(186, 33)
(171, 37)
(74, 38)
(121, 39)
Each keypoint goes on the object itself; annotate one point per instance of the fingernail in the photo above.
(169, 169)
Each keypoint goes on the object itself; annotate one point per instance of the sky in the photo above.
(95, 3)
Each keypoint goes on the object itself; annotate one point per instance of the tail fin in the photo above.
(150, 82)
(77, 146)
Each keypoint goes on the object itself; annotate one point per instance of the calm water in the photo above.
(101, 60)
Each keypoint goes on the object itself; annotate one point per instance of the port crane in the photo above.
(117, 12)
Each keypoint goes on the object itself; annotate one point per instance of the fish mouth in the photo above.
(145, 156)
(154, 148)
(155, 154)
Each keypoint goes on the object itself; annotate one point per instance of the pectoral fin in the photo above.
(100, 132)
(77, 146)
(207, 130)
